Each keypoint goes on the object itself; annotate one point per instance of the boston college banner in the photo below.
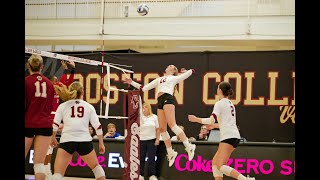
(263, 82)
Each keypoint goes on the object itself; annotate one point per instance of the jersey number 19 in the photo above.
(80, 111)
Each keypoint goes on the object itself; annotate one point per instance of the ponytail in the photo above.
(64, 92)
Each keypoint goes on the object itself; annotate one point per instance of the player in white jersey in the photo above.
(224, 113)
(75, 137)
(166, 108)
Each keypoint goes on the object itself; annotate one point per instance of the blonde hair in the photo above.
(35, 62)
(176, 71)
(110, 125)
(149, 109)
(175, 74)
(78, 87)
(73, 92)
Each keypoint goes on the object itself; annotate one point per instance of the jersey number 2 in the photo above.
(38, 92)
(80, 111)
(232, 110)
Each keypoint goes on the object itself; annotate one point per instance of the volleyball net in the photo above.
(102, 81)
(103, 85)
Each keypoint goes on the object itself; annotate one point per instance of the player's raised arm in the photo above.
(147, 87)
(185, 74)
(208, 121)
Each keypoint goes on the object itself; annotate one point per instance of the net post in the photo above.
(125, 113)
(132, 140)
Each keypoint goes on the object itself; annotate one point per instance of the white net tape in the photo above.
(88, 62)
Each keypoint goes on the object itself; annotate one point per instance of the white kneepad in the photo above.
(39, 168)
(165, 135)
(216, 172)
(98, 172)
(57, 176)
(226, 170)
(176, 129)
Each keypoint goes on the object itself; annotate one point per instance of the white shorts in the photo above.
(50, 150)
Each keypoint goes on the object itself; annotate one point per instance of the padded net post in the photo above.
(132, 140)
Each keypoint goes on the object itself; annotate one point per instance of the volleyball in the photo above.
(143, 9)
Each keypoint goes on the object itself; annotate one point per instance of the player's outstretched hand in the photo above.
(71, 63)
(64, 64)
(183, 70)
(127, 81)
(192, 118)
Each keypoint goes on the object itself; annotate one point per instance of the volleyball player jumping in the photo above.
(166, 108)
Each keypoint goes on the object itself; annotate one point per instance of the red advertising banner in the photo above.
(132, 140)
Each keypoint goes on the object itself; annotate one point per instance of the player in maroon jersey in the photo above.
(63, 81)
(39, 94)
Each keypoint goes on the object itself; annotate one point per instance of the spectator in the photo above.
(149, 140)
(214, 135)
(204, 134)
(92, 132)
(112, 131)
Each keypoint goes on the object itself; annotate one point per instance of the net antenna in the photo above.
(93, 63)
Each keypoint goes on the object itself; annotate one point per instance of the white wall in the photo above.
(213, 25)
